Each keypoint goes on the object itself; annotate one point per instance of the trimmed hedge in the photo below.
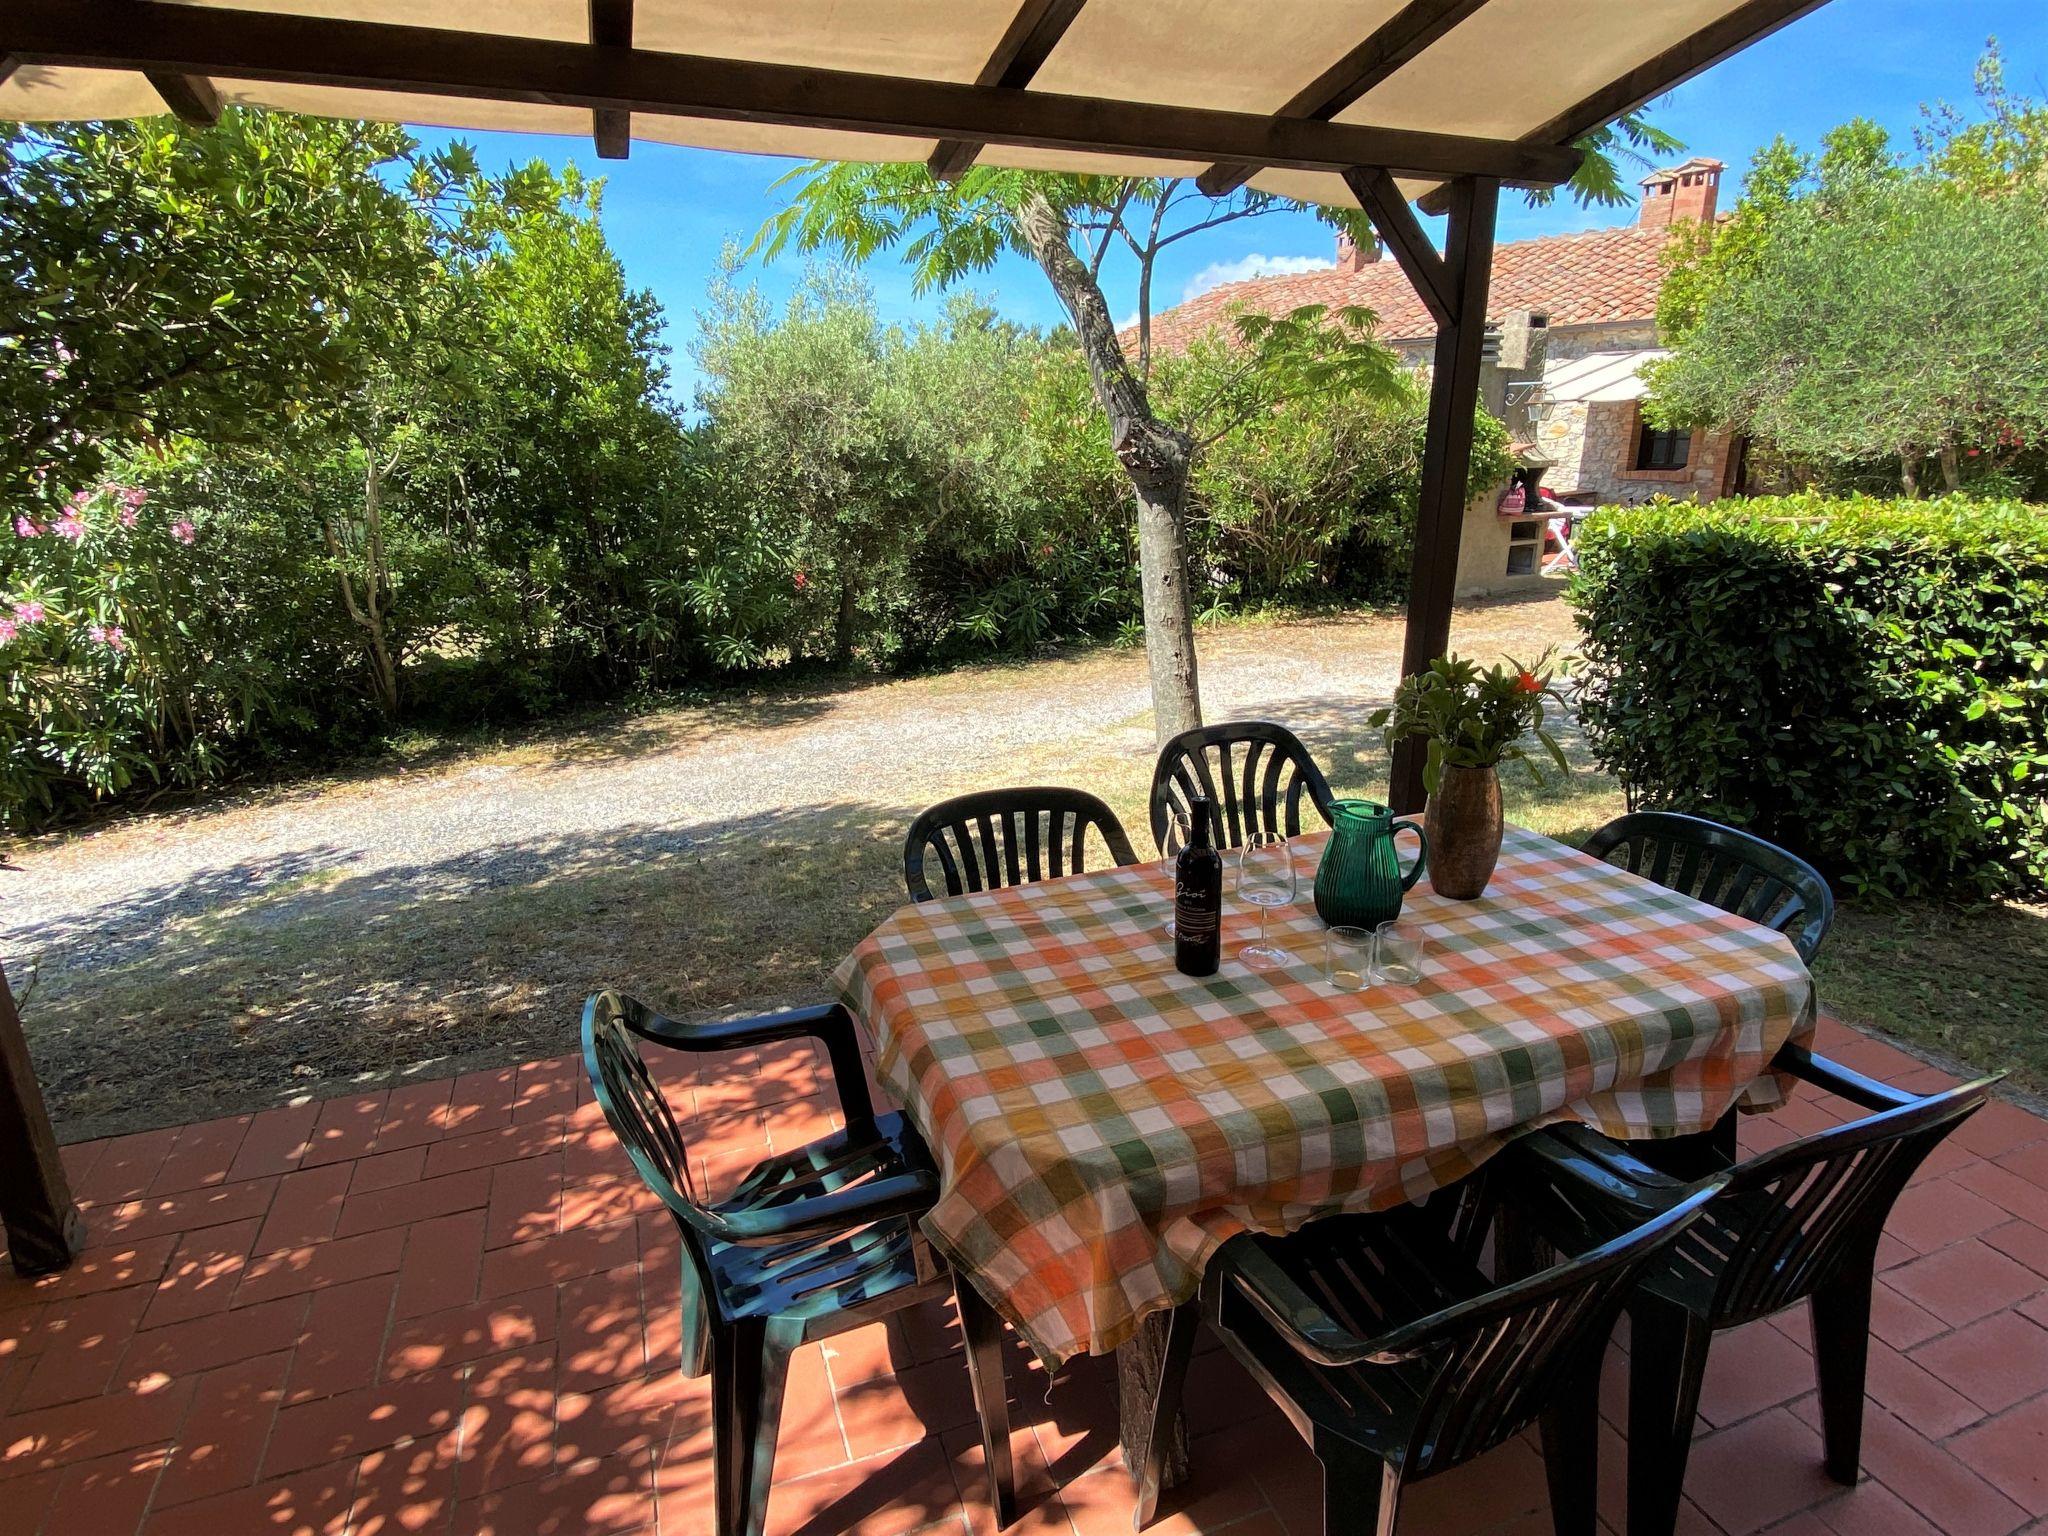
(1861, 681)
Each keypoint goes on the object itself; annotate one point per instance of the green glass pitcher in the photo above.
(1359, 882)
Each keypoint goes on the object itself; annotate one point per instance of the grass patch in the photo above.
(1970, 982)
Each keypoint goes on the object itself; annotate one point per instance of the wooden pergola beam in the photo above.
(255, 45)
(1032, 35)
(191, 98)
(1397, 41)
(1461, 278)
(8, 65)
(1402, 233)
(611, 26)
(1746, 24)
(44, 1229)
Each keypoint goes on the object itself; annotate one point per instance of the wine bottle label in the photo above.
(1196, 920)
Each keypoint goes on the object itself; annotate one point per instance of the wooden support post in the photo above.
(1138, 1367)
(1467, 266)
(44, 1229)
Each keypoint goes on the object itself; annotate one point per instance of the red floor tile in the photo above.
(451, 1310)
(202, 1275)
(222, 1443)
(202, 1155)
(310, 1503)
(442, 1264)
(461, 1334)
(346, 1326)
(415, 1115)
(307, 1206)
(275, 1141)
(58, 1437)
(1995, 1362)
(290, 1271)
(310, 1434)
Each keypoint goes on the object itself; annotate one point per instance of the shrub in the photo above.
(1861, 681)
(125, 661)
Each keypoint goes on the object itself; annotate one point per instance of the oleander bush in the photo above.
(1863, 681)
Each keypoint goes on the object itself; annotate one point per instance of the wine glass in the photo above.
(1265, 878)
(1177, 837)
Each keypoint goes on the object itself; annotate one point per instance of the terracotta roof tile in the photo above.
(1600, 276)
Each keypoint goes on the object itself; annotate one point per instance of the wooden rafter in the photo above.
(1033, 33)
(191, 98)
(1397, 41)
(1746, 24)
(611, 26)
(255, 45)
(8, 65)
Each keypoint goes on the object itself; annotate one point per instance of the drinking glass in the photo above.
(1265, 878)
(1347, 958)
(1177, 838)
(1397, 954)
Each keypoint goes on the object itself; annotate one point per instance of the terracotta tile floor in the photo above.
(449, 1308)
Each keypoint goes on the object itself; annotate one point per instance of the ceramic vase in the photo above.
(1463, 821)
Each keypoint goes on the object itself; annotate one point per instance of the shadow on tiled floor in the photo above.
(450, 1308)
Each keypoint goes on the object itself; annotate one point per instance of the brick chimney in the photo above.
(1681, 195)
(1349, 257)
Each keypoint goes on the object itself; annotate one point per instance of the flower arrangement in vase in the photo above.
(1474, 719)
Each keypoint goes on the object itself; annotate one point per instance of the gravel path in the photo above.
(216, 921)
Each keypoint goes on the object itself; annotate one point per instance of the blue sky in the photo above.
(669, 211)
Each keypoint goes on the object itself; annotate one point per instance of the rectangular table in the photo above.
(1103, 1122)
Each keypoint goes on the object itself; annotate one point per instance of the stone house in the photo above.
(1578, 320)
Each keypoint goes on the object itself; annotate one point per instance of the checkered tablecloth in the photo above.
(1103, 1122)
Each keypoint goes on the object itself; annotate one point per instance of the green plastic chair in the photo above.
(809, 1244)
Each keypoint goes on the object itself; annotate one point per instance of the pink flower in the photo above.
(133, 496)
(800, 580)
(183, 531)
(8, 630)
(80, 500)
(69, 527)
(110, 636)
(29, 612)
(128, 517)
(25, 529)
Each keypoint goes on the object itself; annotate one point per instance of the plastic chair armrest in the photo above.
(1833, 1077)
(900, 1194)
(1310, 1331)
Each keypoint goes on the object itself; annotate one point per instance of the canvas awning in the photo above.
(1599, 377)
(1285, 95)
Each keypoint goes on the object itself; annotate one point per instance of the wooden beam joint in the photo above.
(1403, 233)
(611, 128)
(191, 98)
(1397, 41)
(1026, 44)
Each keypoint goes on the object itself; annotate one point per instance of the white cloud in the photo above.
(1129, 322)
(1217, 273)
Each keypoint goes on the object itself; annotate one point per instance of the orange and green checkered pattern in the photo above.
(1103, 1122)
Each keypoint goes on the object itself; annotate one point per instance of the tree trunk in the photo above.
(368, 614)
(848, 620)
(1909, 473)
(1951, 469)
(1156, 457)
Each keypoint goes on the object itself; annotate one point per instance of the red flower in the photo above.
(1528, 682)
(800, 580)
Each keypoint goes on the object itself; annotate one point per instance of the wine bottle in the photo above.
(1198, 898)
